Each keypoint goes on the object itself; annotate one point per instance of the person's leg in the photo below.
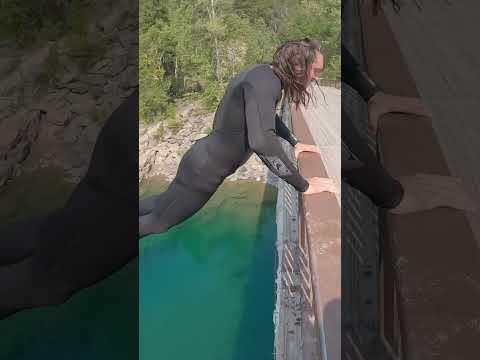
(170, 208)
(28, 284)
(75, 247)
(191, 188)
(147, 204)
(92, 236)
(17, 240)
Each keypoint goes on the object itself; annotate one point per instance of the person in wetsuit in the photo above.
(44, 260)
(245, 123)
(362, 170)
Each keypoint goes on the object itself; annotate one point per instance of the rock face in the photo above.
(162, 155)
(54, 118)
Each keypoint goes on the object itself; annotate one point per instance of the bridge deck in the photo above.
(320, 218)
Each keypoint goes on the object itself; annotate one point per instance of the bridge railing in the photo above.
(415, 263)
(289, 339)
(307, 316)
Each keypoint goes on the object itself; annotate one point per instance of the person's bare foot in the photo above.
(427, 191)
(381, 103)
(319, 184)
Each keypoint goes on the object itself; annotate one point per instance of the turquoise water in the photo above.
(97, 323)
(207, 286)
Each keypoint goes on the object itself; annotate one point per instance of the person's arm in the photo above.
(372, 180)
(355, 77)
(284, 132)
(362, 170)
(262, 138)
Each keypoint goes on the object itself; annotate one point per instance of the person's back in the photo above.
(230, 114)
(230, 132)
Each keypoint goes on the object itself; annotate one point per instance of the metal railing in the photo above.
(294, 291)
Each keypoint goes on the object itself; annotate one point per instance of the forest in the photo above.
(28, 21)
(192, 48)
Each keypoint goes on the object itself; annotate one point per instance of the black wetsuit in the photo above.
(245, 122)
(363, 171)
(44, 260)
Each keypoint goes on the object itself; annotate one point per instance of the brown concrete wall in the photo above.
(433, 258)
(322, 216)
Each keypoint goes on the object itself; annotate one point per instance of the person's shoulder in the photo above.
(256, 69)
(261, 74)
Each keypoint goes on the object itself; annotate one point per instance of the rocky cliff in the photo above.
(56, 95)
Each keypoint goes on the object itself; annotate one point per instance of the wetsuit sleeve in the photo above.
(355, 77)
(262, 138)
(284, 132)
(362, 170)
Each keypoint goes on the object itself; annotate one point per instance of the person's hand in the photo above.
(427, 191)
(299, 148)
(318, 185)
(381, 104)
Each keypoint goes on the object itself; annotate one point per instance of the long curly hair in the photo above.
(292, 62)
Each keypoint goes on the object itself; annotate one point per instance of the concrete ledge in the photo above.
(434, 256)
(431, 260)
(321, 219)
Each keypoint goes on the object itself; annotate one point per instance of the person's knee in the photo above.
(147, 205)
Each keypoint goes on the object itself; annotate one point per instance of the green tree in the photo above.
(195, 47)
